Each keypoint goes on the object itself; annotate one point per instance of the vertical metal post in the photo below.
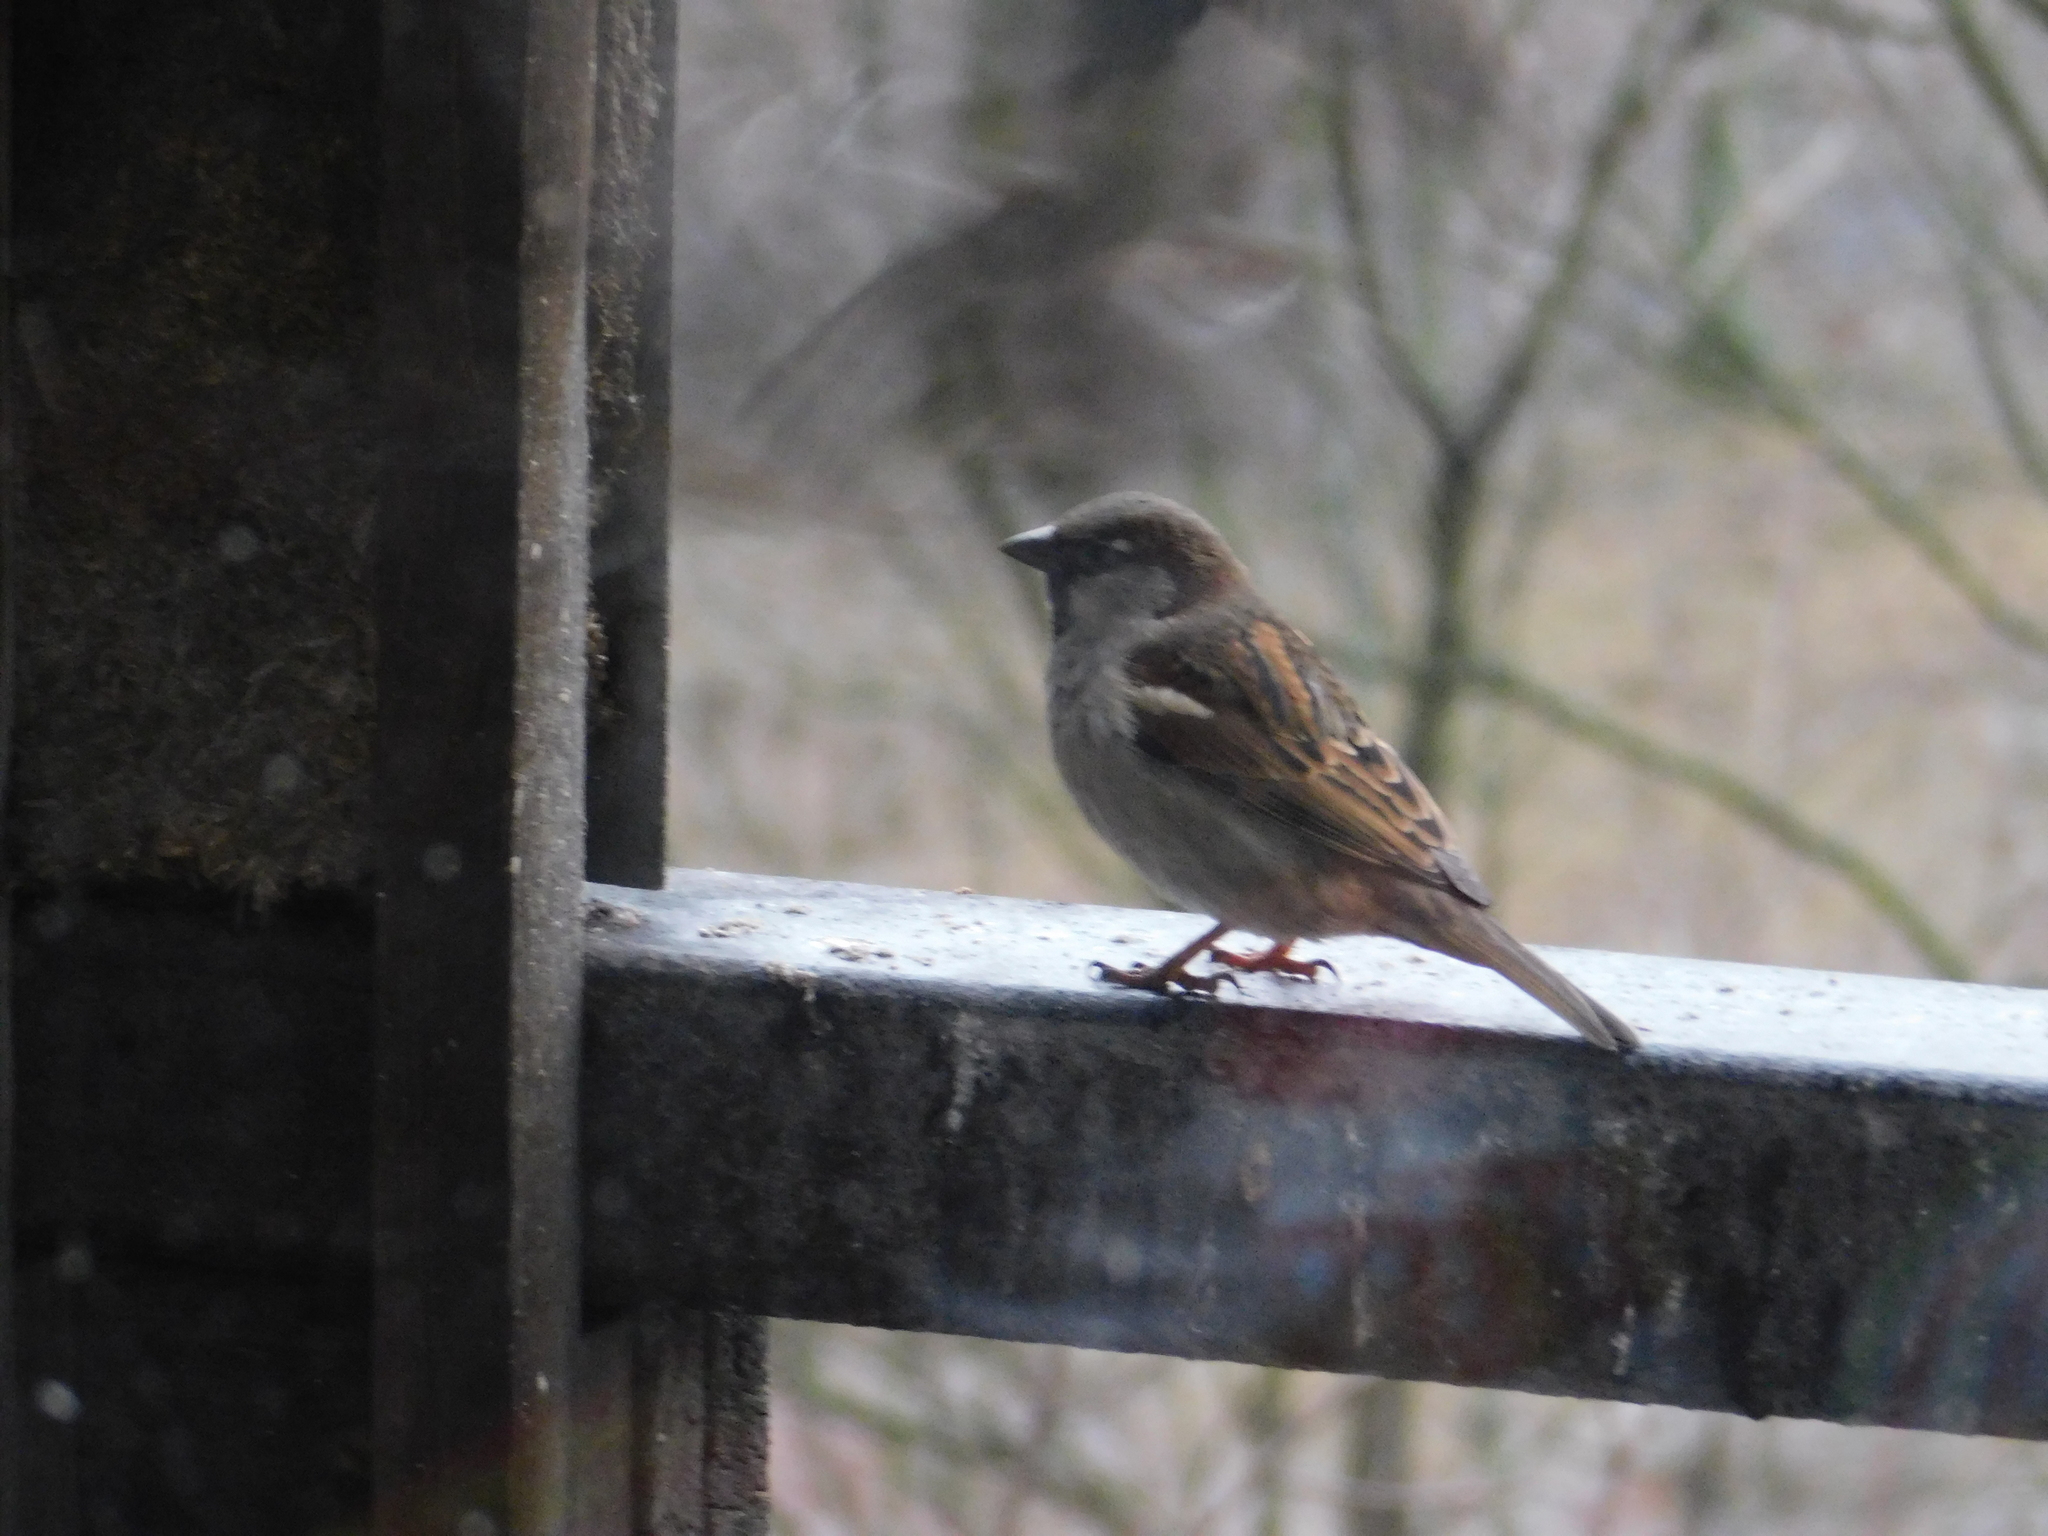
(682, 1395)
(632, 271)
(549, 686)
(481, 575)
(10, 1394)
(700, 1425)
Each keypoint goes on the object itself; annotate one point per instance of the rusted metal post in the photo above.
(481, 580)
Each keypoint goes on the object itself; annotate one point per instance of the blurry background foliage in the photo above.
(1646, 405)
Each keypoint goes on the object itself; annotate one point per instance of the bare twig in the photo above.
(1845, 21)
(1268, 1440)
(1732, 793)
(1340, 129)
(1980, 61)
(1771, 390)
(1905, 514)
(1456, 504)
(1048, 1416)
(1465, 442)
(2022, 434)
(1263, 1413)
(1376, 1459)
(1103, 1502)
(1959, 198)
(1626, 116)
(1674, 765)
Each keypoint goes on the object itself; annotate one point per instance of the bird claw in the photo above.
(1275, 960)
(1157, 978)
(1306, 969)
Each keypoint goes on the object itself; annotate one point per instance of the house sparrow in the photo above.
(1206, 740)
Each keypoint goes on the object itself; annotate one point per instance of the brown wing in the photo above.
(1251, 709)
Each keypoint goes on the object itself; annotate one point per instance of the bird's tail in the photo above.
(1479, 938)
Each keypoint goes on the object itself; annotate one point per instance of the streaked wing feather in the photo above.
(1272, 727)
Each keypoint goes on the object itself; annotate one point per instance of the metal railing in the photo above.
(1811, 1194)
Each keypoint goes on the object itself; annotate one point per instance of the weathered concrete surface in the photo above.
(1812, 1194)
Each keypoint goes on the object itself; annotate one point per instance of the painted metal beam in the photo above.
(632, 269)
(1817, 1195)
(482, 581)
(1811, 1194)
(675, 1403)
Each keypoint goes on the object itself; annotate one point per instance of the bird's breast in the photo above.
(1183, 835)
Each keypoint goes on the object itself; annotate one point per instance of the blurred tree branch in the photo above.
(1905, 514)
(1263, 1412)
(1105, 1503)
(2022, 434)
(1049, 1402)
(1376, 1459)
(1959, 199)
(1763, 384)
(1732, 793)
(1464, 442)
(1674, 765)
(1980, 61)
(1273, 1428)
(1746, 371)
(1340, 128)
(1849, 22)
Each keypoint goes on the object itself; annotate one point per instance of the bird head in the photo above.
(1125, 557)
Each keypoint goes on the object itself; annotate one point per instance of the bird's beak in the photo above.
(1033, 547)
